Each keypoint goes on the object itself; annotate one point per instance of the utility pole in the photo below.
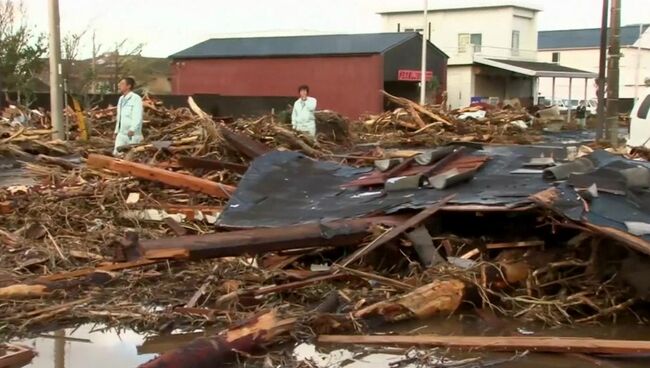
(600, 108)
(637, 68)
(613, 72)
(423, 71)
(56, 88)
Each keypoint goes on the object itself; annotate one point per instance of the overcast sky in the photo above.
(168, 26)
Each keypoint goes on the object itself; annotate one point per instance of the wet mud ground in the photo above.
(94, 345)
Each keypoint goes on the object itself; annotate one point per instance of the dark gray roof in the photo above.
(581, 38)
(340, 44)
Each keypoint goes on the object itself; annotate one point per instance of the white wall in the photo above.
(460, 85)
(587, 59)
(495, 25)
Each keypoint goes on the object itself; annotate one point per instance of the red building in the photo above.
(345, 73)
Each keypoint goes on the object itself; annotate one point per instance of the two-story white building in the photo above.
(492, 45)
(580, 48)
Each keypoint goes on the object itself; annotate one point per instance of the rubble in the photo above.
(212, 222)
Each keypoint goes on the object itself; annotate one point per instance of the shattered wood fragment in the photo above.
(216, 350)
(501, 343)
(167, 177)
(439, 298)
(397, 230)
(23, 291)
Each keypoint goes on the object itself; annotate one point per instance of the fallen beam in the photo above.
(243, 144)
(500, 343)
(163, 176)
(263, 240)
(396, 231)
(203, 163)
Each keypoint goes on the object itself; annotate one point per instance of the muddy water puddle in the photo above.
(92, 346)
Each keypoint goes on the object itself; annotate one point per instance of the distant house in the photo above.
(580, 48)
(345, 72)
(492, 48)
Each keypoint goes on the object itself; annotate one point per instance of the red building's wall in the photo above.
(347, 84)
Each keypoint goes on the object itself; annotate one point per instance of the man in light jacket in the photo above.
(128, 127)
(302, 117)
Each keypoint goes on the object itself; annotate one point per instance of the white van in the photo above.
(640, 121)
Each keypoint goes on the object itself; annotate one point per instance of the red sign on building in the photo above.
(413, 75)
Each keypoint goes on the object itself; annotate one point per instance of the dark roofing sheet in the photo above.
(578, 38)
(341, 44)
(285, 188)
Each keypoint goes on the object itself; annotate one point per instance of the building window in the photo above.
(413, 30)
(476, 40)
(555, 57)
(465, 39)
(515, 43)
(644, 108)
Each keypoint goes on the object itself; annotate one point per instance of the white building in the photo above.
(492, 45)
(580, 48)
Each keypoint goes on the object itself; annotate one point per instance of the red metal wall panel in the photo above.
(347, 84)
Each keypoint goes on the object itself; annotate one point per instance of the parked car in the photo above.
(640, 121)
(592, 106)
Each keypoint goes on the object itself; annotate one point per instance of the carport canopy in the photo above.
(540, 70)
(536, 69)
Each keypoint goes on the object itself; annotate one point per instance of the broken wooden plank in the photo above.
(243, 144)
(519, 244)
(208, 164)
(296, 284)
(175, 226)
(263, 240)
(439, 298)
(215, 350)
(15, 356)
(88, 271)
(68, 165)
(380, 279)
(397, 230)
(167, 177)
(543, 344)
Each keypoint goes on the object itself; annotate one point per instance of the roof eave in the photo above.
(535, 73)
(203, 57)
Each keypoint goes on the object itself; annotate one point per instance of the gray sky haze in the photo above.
(168, 26)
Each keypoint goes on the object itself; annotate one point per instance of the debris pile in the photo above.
(211, 223)
(411, 124)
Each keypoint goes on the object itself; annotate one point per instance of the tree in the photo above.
(21, 51)
(89, 79)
